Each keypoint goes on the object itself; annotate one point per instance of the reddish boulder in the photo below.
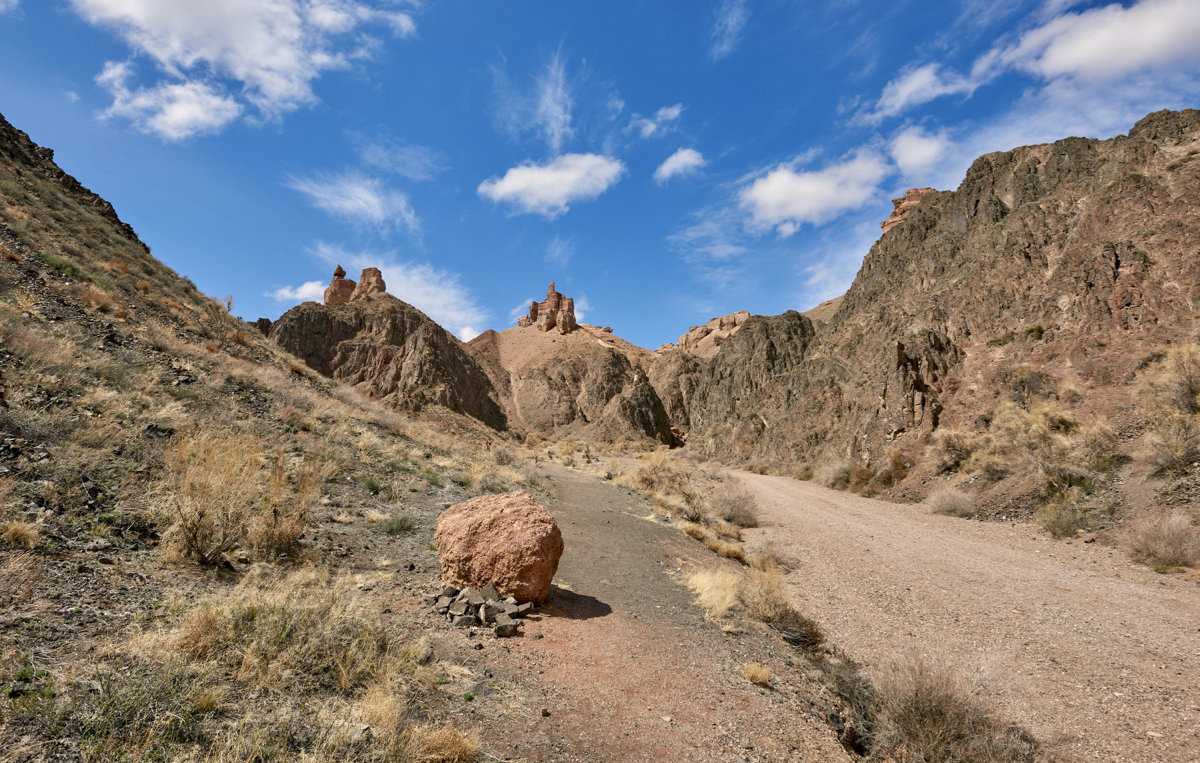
(509, 540)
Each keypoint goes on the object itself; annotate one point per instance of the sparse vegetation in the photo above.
(397, 524)
(1169, 400)
(1002, 340)
(931, 714)
(735, 505)
(1164, 541)
(21, 533)
(757, 674)
(761, 595)
(951, 502)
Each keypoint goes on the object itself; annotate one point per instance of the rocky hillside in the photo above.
(1068, 263)
(387, 349)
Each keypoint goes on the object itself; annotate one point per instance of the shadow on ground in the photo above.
(574, 606)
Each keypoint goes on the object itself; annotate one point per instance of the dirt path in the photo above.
(627, 666)
(1098, 657)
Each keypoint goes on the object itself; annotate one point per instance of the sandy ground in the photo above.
(1097, 656)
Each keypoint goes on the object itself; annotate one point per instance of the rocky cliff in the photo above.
(388, 350)
(1075, 259)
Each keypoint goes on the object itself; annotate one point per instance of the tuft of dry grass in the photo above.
(760, 593)
(212, 484)
(1164, 541)
(931, 714)
(445, 744)
(1169, 400)
(144, 286)
(951, 502)
(716, 590)
(665, 480)
(757, 674)
(276, 529)
(20, 532)
(736, 505)
(13, 257)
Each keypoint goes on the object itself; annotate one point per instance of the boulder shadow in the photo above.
(573, 606)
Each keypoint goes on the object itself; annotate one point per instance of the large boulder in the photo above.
(509, 540)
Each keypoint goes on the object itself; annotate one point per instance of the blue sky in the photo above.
(664, 162)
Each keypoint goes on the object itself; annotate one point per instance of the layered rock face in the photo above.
(903, 205)
(390, 351)
(509, 541)
(704, 341)
(1075, 259)
(554, 312)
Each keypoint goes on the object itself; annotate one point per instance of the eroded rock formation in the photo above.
(370, 282)
(704, 341)
(554, 312)
(340, 288)
(903, 205)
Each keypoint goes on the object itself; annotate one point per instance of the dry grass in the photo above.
(445, 744)
(757, 674)
(760, 593)
(19, 575)
(665, 480)
(951, 502)
(955, 446)
(21, 533)
(1168, 398)
(212, 485)
(716, 590)
(276, 529)
(101, 301)
(931, 714)
(734, 504)
(836, 476)
(1063, 514)
(1164, 541)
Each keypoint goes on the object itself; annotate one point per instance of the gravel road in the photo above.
(1097, 656)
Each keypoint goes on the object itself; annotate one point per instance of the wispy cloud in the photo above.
(560, 250)
(8, 5)
(715, 235)
(685, 161)
(549, 189)
(726, 31)
(359, 199)
(404, 159)
(260, 53)
(661, 122)
(786, 198)
(438, 293)
(545, 108)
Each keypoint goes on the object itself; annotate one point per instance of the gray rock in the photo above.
(463, 621)
(506, 630)
(510, 600)
(432, 600)
(524, 609)
(475, 598)
(460, 608)
(450, 591)
(490, 593)
(443, 603)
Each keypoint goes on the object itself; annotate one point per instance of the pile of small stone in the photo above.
(470, 607)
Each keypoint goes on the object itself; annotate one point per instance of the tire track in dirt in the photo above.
(1097, 656)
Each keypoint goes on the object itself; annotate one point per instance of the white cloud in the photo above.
(663, 122)
(685, 161)
(582, 307)
(552, 113)
(784, 199)
(1096, 45)
(549, 189)
(267, 51)
(560, 250)
(1112, 41)
(406, 160)
(915, 151)
(309, 290)
(920, 85)
(727, 31)
(8, 5)
(438, 293)
(359, 199)
(170, 111)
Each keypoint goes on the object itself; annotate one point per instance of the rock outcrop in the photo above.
(340, 288)
(369, 283)
(509, 541)
(554, 312)
(704, 341)
(905, 204)
(389, 351)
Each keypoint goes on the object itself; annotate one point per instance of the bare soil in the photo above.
(1097, 656)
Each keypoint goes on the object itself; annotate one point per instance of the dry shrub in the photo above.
(430, 744)
(664, 479)
(1164, 541)
(764, 598)
(503, 456)
(757, 673)
(860, 477)
(238, 336)
(895, 471)
(735, 504)
(101, 301)
(143, 286)
(13, 257)
(275, 531)
(1169, 400)
(836, 476)
(931, 714)
(716, 590)
(296, 418)
(21, 533)
(212, 484)
(1062, 514)
(19, 575)
(951, 502)
(115, 266)
(955, 446)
